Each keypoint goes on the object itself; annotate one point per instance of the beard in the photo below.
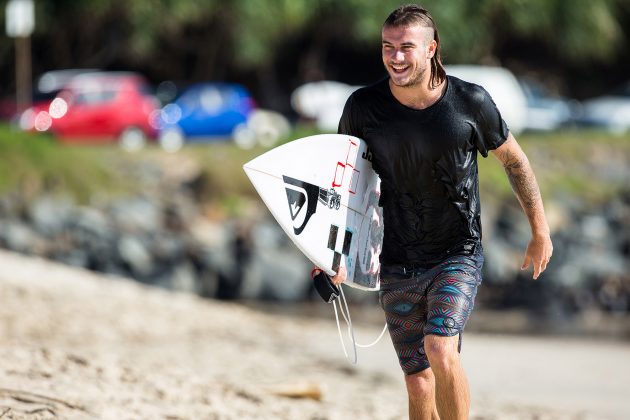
(413, 79)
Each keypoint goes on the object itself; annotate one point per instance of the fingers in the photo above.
(538, 255)
(540, 266)
(340, 277)
(537, 270)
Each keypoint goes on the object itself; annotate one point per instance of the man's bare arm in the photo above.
(525, 187)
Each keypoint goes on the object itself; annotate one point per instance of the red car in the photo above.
(99, 107)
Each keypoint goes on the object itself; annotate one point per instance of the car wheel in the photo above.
(132, 139)
(171, 140)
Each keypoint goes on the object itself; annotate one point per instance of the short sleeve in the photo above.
(491, 130)
(348, 123)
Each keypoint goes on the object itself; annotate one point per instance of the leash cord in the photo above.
(348, 319)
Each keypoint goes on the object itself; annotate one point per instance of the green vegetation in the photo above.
(472, 30)
(587, 165)
(272, 46)
(33, 163)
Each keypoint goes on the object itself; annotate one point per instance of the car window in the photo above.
(189, 99)
(92, 97)
(212, 99)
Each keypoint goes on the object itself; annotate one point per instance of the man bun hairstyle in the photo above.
(412, 14)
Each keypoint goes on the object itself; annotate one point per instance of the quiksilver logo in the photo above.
(302, 198)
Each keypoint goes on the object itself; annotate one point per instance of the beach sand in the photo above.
(75, 345)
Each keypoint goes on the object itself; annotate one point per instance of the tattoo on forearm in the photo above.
(522, 180)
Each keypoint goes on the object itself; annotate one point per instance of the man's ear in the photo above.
(431, 48)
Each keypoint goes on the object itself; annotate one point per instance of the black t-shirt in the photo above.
(427, 162)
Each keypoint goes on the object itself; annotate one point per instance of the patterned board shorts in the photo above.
(423, 301)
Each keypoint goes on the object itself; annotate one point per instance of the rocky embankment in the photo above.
(170, 236)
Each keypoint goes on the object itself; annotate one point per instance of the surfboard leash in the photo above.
(330, 292)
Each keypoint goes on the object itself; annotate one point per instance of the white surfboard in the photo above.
(323, 192)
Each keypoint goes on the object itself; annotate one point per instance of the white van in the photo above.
(504, 88)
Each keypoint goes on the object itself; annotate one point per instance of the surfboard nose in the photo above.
(318, 184)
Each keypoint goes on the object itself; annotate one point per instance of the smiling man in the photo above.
(424, 130)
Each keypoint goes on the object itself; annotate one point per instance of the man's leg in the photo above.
(451, 385)
(421, 391)
(450, 300)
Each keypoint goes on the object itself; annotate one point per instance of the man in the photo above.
(424, 130)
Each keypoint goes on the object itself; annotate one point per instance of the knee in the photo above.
(441, 351)
(420, 384)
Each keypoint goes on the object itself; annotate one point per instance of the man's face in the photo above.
(407, 53)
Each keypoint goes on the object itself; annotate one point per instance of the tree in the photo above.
(261, 41)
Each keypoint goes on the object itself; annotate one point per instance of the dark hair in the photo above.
(412, 14)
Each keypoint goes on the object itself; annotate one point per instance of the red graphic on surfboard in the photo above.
(345, 172)
(300, 192)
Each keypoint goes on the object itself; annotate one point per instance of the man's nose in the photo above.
(398, 55)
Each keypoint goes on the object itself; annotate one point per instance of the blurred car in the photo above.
(322, 102)
(610, 112)
(51, 82)
(46, 88)
(504, 88)
(206, 112)
(546, 112)
(263, 127)
(98, 107)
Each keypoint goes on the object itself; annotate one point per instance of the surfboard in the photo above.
(324, 194)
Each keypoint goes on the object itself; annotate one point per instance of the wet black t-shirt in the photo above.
(427, 162)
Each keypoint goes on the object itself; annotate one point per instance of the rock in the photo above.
(137, 215)
(76, 257)
(49, 214)
(180, 277)
(502, 261)
(595, 228)
(92, 222)
(278, 270)
(136, 255)
(20, 237)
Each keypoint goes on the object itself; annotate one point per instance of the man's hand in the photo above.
(339, 278)
(538, 254)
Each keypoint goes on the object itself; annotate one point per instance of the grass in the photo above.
(586, 165)
(32, 163)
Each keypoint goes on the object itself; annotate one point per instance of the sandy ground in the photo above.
(78, 345)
